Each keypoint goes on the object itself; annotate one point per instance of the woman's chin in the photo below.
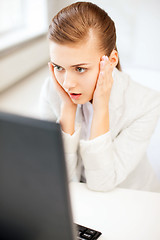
(81, 100)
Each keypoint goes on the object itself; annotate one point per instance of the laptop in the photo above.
(34, 194)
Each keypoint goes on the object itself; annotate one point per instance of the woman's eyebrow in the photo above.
(80, 64)
(55, 64)
(76, 65)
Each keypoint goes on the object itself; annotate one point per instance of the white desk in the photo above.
(120, 214)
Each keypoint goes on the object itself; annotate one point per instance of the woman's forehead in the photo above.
(73, 54)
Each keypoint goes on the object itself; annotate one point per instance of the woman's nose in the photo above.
(69, 82)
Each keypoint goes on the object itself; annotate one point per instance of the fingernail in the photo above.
(106, 57)
(103, 63)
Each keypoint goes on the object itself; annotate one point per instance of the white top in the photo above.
(117, 158)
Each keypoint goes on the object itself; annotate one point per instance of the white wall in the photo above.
(54, 6)
(138, 36)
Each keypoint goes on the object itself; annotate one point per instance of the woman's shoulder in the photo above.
(134, 94)
(49, 99)
(47, 86)
(48, 91)
(133, 88)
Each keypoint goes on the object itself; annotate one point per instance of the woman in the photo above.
(106, 118)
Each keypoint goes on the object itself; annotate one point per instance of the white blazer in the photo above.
(117, 158)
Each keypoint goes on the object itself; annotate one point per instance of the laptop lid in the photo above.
(34, 201)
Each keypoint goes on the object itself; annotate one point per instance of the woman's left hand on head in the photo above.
(103, 87)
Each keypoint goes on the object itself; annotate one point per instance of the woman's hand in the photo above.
(100, 121)
(103, 87)
(68, 108)
(65, 98)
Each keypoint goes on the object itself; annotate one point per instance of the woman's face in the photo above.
(76, 68)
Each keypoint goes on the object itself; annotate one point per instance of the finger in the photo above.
(100, 80)
(51, 68)
(103, 69)
(105, 64)
(105, 74)
(56, 83)
(108, 68)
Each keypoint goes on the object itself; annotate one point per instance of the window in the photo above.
(21, 20)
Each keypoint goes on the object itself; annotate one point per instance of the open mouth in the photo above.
(75, 95)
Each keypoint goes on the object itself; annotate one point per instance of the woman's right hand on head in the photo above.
(65, 98)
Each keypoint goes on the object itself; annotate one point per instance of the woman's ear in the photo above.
(113, 58)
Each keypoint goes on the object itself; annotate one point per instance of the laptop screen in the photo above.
(34, 199)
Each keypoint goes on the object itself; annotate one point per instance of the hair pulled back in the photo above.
(73, 24)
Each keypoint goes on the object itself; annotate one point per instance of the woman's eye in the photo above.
(81, 70)
(58, 68)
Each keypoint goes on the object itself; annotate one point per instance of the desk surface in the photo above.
(121, 214)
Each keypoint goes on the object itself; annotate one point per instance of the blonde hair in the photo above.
(73, 24)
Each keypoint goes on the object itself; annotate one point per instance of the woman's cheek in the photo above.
(91, 86)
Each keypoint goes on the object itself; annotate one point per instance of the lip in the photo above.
(75, 95)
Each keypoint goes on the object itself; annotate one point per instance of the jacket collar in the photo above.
(117, 97)
(118, 89)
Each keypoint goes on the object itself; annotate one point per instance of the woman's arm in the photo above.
(67, 119)
(100, 121)
(50, 109)
(108, 162)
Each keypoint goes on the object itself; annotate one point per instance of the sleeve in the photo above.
(108, 162)
(45, 110)
(49, 109)
(47, 104)
(71, 143)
